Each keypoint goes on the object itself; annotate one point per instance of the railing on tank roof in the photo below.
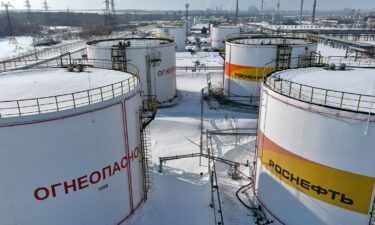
(56, 103)
(62, 63)
(325, 97)
(135, 41)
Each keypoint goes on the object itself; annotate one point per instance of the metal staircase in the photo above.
(118, 56)
(284, 54)
(147, 114)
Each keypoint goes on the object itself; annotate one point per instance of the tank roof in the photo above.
(38, 83)
(352, 80)
(134, 42)
(39, 91)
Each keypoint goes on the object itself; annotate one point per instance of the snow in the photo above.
(181, 195)
(205, 59)
(50, 82)
(352, 80)
(325, 50)
(24, 45)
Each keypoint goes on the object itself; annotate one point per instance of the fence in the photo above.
(62, 102)
(49, 52)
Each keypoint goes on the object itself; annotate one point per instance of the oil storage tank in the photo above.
(155, 58)
(316, 146)
(219, 33)
(248, 59)
(70, 147)
(173, 32)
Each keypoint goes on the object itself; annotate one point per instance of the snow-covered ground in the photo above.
(325, 50)
(24, 45)
(204, 58)
(181, 195)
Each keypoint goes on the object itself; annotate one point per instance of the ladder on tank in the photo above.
(118, 56)
(146, 162)
(147, 114)
(372, 214)
(153, 60)
(284, 54)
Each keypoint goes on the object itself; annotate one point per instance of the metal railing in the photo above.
(351, 61)
(63, 62)
(34, 106)
(320, 96)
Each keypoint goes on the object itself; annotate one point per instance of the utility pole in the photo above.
(277, 12)
(46, 9)
(113, 13)
(45, 6)
(28, 10)
(12, 39)
(313, 12)
(261, 10)
(236, 17)
(187, 20)
(300, 13)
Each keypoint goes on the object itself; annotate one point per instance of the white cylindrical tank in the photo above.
(176, 33)
(155, 58)
(248, 59)
(70, 147)
(219, 33)
(316, 146)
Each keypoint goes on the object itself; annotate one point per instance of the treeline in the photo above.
(92, 23)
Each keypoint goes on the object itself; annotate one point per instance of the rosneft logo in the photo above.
(247, 73)
(336, 187)
(167, 72)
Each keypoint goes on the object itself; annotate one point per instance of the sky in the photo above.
(194, 4)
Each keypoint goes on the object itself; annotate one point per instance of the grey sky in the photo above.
(195, 4)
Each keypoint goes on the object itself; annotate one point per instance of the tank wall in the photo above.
(219, 34)
(176, 33)
(320, 166)
(245, 66)
(83, 169)
(163, 74)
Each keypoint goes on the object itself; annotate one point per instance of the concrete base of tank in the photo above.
(172, 102)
